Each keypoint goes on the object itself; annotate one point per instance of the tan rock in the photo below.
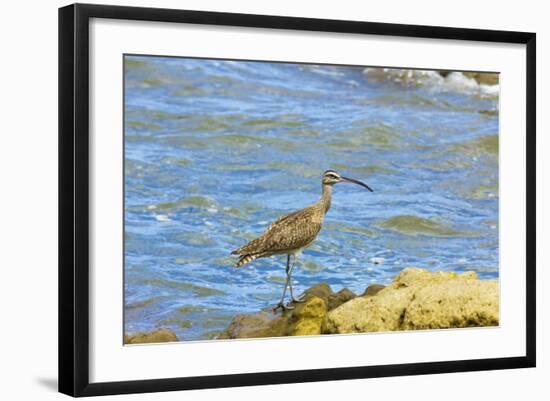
(463, 303)
(483, 78)
(419, 299)
(366, 314)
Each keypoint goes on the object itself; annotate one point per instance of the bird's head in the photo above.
(331, 177)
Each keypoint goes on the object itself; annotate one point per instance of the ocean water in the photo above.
(216, 150)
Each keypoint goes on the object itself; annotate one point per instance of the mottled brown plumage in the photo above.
(293, 232)
(288, 234)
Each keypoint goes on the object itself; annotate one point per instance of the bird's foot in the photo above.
(283, 307)
(299, 300)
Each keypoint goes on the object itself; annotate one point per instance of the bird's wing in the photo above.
(292, 231)
(284, 220)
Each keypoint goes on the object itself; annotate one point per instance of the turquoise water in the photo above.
(216, 150)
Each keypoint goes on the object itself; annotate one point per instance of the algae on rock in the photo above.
(161, 335)
(308, 317)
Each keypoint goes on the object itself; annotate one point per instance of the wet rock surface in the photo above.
(373, 289)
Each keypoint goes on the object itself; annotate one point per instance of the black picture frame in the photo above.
(74, 198)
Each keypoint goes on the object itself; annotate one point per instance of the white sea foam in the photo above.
(326, 71)
(455, 81)
(404, 77)
(162, 217)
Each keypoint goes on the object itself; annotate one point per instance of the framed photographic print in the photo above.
(314, 192)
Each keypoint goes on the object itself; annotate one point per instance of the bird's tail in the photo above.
(246, 258)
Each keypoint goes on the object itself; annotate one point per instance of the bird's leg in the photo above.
(289, 275)
(281, 303)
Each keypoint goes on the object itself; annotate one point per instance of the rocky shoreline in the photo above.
(416, 299)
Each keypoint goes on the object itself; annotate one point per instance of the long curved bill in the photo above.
(345, 179)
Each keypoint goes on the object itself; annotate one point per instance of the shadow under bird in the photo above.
(293, 232)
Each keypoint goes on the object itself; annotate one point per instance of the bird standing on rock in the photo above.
(291, 233)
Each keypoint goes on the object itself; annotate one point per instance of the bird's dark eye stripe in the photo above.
(332, 176)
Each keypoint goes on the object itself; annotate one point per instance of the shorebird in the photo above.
(291, 233)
